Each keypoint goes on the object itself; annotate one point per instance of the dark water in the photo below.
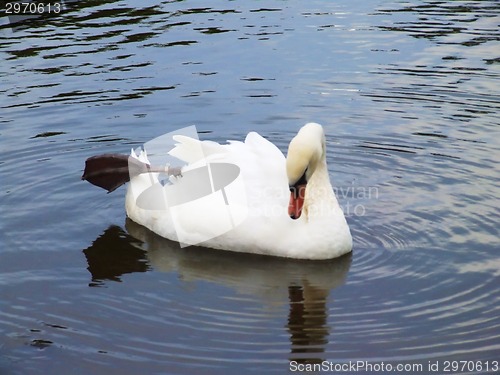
(409, 95)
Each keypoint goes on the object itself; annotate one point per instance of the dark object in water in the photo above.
(110, 171)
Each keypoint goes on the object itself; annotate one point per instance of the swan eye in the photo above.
(302, 180)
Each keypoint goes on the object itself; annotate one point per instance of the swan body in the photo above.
(255, 211)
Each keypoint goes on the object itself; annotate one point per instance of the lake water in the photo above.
(408, 93)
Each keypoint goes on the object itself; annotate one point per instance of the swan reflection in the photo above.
(113, 254)
(302, 285)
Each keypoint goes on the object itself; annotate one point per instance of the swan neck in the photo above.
(319, 196)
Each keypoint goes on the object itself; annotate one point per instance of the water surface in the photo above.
(408, 95)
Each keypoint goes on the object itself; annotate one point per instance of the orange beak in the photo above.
(297, 194)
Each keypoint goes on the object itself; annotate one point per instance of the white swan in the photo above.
(276, 206)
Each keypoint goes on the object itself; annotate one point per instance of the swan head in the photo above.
(305, 152)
